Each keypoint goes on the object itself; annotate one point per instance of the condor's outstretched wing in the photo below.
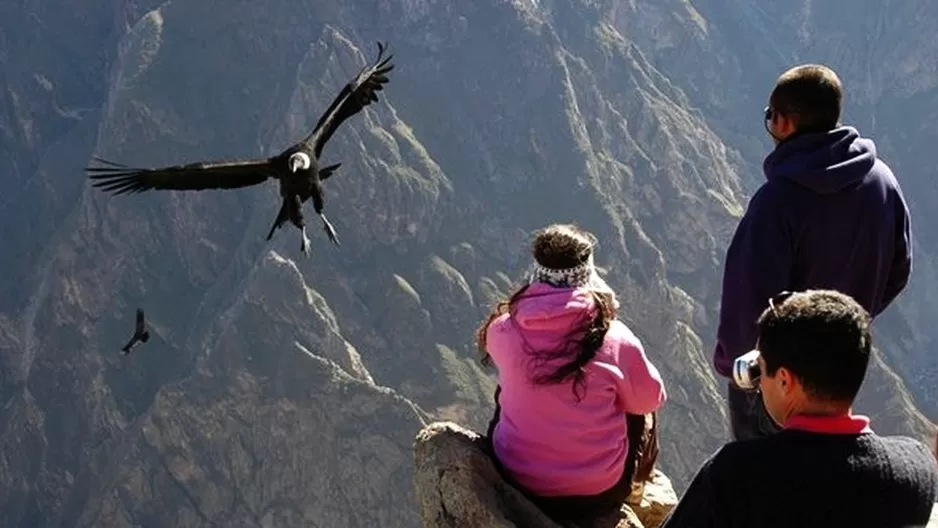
(357, 94)
(198, 176)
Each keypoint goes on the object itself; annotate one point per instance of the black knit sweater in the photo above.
(804, 479)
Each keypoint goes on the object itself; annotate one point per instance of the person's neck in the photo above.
(800, 133)
(820, 409)
(826, 418)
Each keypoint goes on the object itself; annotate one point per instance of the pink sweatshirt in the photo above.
(552, 444)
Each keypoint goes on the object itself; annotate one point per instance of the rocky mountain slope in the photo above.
(283, 391)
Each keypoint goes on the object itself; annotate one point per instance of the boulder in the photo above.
(457, 485)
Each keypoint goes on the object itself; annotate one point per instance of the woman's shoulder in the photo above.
(620, 334)
(499, 328)
(500, 337)
(620, 344)
(500, 323)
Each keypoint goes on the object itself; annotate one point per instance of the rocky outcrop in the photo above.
(456, 484)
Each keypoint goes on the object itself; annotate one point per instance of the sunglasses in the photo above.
(768, 115)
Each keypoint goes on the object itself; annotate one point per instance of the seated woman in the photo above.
(568, 374)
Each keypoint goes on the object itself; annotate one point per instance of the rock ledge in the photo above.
(456, 484)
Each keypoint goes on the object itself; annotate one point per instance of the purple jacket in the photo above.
(830, 215)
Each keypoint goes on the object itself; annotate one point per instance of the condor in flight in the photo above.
(141, 335)
(296, 168)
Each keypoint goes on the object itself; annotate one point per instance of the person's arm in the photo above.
(641, 390)
(901, 267)
(758, 266)
(698, 507)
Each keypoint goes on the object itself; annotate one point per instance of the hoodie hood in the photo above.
(553, 310)
(822, 162)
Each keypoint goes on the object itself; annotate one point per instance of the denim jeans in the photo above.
(748, 417)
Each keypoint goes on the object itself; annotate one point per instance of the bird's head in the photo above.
(299, 161)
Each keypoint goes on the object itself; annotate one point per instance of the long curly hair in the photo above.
(561, 246)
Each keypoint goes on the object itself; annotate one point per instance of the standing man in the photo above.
(830, 215)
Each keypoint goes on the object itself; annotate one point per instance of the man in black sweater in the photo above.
(826, 467)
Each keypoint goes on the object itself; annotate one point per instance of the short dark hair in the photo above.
(812, 94)
(823, 337)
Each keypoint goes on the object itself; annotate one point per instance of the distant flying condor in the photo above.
(141, 335)
(296, 168)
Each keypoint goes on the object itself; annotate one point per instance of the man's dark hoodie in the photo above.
(830, 215)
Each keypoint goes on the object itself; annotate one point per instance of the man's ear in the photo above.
(786, 380)
(787, 124)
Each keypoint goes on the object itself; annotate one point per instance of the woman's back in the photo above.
(568, 374)
(555, 440)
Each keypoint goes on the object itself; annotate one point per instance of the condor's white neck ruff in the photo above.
(300, 161)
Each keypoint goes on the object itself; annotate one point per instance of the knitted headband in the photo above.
(581, 276)
(575, 277)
